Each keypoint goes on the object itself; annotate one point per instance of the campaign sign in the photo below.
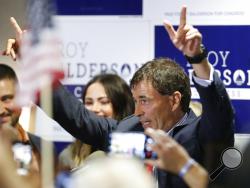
(199, 12)
(229, 53)
(103, 46)
(99, 7)
(77, 90)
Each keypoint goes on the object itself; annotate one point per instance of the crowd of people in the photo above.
(157, 102)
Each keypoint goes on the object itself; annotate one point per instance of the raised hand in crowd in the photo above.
(174, 158)
(186, 38)
(13, 44)
(189, 41)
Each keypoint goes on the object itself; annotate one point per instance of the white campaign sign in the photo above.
(199, 12)
(90, 47)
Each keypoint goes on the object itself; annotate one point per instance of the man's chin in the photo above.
(5, 122)
(2, 124)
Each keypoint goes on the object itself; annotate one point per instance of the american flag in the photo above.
(40, 52)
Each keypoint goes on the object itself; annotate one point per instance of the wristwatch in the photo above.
(198, 58)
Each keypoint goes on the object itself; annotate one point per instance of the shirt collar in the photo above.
(179, 123)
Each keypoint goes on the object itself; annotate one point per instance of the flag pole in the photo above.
(47, 166)
(41, 54)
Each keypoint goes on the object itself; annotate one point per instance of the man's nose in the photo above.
(138, 110)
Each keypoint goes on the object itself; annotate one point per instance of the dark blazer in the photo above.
(205, 137)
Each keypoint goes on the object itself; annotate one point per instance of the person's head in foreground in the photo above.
(114, 172)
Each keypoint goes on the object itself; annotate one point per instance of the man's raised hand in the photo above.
(186, 38)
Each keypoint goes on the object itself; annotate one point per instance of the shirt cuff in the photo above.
(202, 82)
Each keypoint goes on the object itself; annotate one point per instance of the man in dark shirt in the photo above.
(10, 113)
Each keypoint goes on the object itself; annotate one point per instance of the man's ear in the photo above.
(176, 97)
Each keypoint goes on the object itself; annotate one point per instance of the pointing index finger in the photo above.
(16, 26)
(183, 16)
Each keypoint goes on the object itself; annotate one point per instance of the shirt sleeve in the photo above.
(202, 82)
